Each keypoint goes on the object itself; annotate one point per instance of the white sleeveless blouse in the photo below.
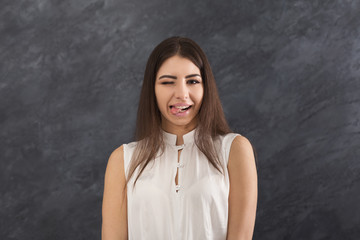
(197, 211)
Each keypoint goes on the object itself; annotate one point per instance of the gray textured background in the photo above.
(288, 76)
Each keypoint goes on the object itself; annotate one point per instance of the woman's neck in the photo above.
(179, 131)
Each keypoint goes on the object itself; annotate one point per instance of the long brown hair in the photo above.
(211, 119)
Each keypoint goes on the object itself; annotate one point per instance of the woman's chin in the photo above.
(180, 121)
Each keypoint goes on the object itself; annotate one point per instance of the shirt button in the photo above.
(177, 187)
(180, 165)
(179, 147)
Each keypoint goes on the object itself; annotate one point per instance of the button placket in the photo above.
(179, 165)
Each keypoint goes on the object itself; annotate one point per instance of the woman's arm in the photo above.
(243, 190)
(114, 208)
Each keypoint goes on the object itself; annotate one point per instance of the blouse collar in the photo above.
(171, 138)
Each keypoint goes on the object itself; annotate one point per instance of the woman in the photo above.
(187, 176)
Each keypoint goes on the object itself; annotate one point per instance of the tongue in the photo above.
(175, 110)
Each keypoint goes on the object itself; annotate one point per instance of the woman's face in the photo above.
(179, 92)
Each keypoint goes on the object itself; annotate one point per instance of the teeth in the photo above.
(181, 107)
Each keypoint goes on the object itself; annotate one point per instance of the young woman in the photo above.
(187, 176)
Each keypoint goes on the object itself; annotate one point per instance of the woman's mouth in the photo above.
(180, 110)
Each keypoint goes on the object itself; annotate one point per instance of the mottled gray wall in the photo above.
(288, 76)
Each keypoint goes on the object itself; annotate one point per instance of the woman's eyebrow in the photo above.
(174, 77)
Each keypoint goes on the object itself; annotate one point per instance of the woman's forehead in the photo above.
(179, 66)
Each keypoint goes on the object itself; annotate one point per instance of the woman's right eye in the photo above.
(164, 83)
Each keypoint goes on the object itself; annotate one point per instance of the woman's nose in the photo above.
(181, 91)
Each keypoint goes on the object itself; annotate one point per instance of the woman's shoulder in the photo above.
(229, 137)
(130, 145)
(228, 140)
(119, 151)
(120, 155)
(115, 162)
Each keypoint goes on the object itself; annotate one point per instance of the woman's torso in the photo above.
(194, 208)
